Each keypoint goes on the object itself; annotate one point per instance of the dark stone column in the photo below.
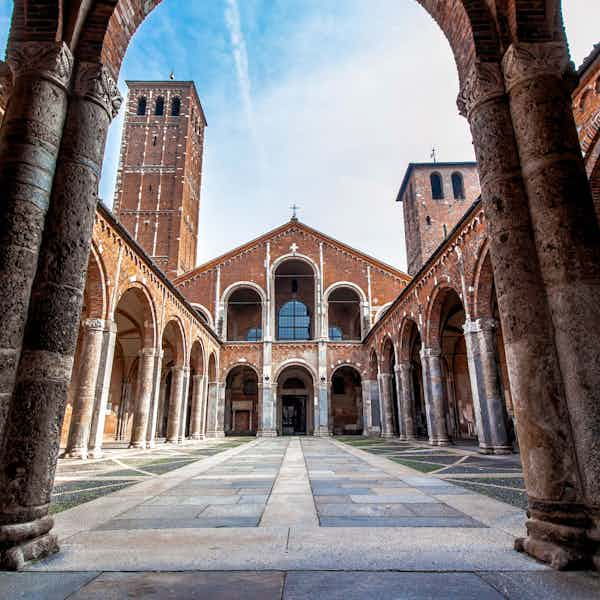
(174, 418)
(29, 144)
(184, 404)
(433, 385)
(197, 405)
(32, 434)
(490, 414)
(156, 399)
(85, 392)
(385, 395)
(557, 523)
(539, 80)
(141, 418)
(405, 388)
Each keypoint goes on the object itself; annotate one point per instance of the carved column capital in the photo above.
(52, 61)
(483, 82)
(94, 324)
(94, 82)
(525, 61)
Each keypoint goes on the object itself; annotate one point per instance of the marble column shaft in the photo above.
(175, 403)
(85, 391)
(198, 398)
(539, 81)
(33, 424)
(141, 419)
(30, 139)
(385, 395)
(156, 399)
(184, 404)
(407, 401)
(488, 402)
(545, 438)
(269, 419)
(433, 384)
(397, 381)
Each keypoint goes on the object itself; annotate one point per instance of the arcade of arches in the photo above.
(497, 335)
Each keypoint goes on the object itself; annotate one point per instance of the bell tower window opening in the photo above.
(437, 186)
(458, 186)
(176, 106)
(141, 106)
(159, 108)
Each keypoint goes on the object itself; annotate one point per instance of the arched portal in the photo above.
(391, 416)
(346, 401)
(410, 359)
(197, 392)
(241, 401)
(295, 400)
(295, 289)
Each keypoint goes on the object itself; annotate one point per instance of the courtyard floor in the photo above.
(292, 518)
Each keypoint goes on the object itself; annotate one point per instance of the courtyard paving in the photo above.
(290, 518)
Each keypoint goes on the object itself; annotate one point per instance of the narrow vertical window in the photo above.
(437, 186)
(159, 109)
(445, 231)
(141, 106)
(175, 107)
(458, 186)
(428, 220)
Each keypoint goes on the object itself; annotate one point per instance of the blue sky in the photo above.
(316, 102)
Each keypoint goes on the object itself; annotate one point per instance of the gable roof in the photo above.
(290, 226)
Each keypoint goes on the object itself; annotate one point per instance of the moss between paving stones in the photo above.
(83, 493)
(422, 466)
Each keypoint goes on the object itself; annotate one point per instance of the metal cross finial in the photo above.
(295, 208)
(434, 154)
(172, 76)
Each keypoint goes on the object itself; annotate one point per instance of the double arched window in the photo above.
(437, 186)
(141, 105)
(294, 321)
(458, 186)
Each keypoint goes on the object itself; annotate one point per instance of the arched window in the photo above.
(244, 316)
(335, 333)
(159, 109)
(344, 314)
(437, 186)
(141, 107)
(458, 186)
(254, 334)
(428, 220)
(294, 321)
(175, 106)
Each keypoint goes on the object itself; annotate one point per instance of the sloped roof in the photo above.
(289, 226)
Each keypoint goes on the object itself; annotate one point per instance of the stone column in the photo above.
(539, 80)
(550, 470)
(184, 404)
(385, 396)
(174, 418)
(269, 419)
(85, 392)
(156, 399)
(407, 401)
(32, 429)
(143, 401)
(490, 413)
(29, 145)
(433, 385)
(323, 394)
(197, 403)
(397, 381)
(103, 389)
(367, 415)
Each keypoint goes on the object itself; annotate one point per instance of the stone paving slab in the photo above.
(42, 586)
(411, 521)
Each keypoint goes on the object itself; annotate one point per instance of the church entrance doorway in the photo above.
(294, 408)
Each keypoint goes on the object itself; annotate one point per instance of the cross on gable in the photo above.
(294, 248)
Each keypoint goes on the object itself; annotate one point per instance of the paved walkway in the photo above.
(292, 518)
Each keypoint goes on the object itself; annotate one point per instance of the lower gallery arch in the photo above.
(295, 401)
(346, 401)
(241, 401)
(389, 390)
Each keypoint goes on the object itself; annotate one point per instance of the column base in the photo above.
(79, 453)
(322, 432)
(140, 445)
(97, 453)
(440, 442)
(215, 434)
(500, 450)
(172, 441)
(387, 434)
(197, 436)
(23, 542)
(558, 536)
(267, 433)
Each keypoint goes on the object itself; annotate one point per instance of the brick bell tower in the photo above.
(157, 195)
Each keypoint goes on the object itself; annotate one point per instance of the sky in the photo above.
(319, 103)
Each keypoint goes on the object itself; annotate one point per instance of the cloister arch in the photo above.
(548, 319)
(214, 418)
(196, 391)
(346, 401)
(296, 389)
(204, 314)
(388, 388)
(241, 400)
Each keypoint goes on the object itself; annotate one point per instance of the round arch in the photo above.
(205, 312)
(346, 406)
(297, 390)
(407, 332)
(175, 330)
(344, 312)
(241, 399)
(241, 363)
(431, 337)
(483, 285)
(295, 362)
(197, 357)
(345, 284)
(149, 323)
(252, 324)
(96, 288)
(382, 311)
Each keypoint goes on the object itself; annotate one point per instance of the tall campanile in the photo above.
(157, 195)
